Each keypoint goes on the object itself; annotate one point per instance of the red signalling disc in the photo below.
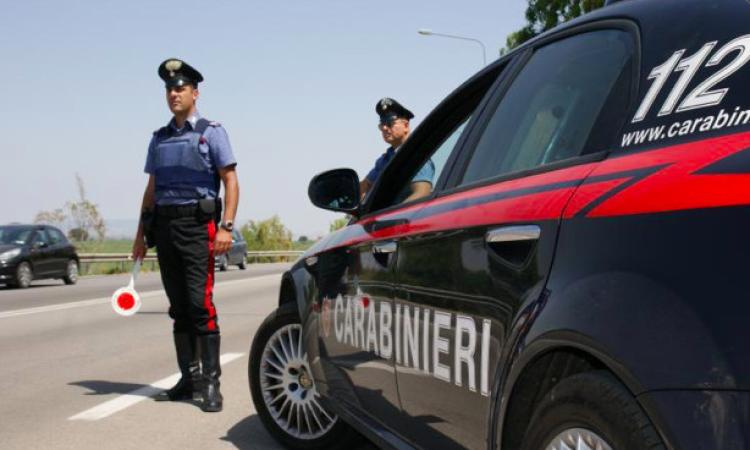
(125, 301)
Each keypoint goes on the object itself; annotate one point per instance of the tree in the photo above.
(84, 214)
(338, 224)
(543, 15)
(269, 234)
(55, 218)
(80, 217)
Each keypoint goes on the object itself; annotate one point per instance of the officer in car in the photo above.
(394, 127)
(187, 161)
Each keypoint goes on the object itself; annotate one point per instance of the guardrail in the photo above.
(123, 259)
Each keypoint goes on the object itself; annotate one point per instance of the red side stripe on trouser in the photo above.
(208, 298)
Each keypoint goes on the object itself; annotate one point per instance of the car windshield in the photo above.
(14, 235)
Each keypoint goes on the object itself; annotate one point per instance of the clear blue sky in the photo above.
(293, 82)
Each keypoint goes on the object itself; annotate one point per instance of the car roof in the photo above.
(652, 11)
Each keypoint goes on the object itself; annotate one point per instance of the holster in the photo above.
(210, 208)
(149, 230)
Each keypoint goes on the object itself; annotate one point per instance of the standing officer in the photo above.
(394, 127)
(181, 207)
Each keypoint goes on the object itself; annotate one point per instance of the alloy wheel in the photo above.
(288, 388)
(578, 439)
(24, 275)
(72, 271)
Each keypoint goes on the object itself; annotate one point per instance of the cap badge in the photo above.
(173, 65)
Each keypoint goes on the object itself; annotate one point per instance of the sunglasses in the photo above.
(388, 121)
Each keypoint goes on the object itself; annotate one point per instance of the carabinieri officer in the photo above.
(181, 215)
(394, 129)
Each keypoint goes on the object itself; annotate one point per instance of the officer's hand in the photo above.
(223, 242)
(139, 248)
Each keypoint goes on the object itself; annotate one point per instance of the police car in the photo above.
(576, 280)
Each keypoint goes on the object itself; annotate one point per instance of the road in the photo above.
(68, 360)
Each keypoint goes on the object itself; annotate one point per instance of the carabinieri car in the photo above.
(576, 279)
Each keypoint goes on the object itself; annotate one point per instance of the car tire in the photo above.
(272, 366)
(243, 264)
(594, 409)
(24, 275)
(223, 265)
(71, 272)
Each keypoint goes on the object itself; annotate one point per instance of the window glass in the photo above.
(41, 237)
(55, 236)
(431, 170)
(550, 112)
(14, 235)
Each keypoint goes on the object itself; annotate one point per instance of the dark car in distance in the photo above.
(577, 278)
(34, 252)
(237, 254)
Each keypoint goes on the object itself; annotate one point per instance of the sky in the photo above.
(294, 83)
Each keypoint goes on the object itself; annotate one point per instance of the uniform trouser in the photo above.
(185, 249)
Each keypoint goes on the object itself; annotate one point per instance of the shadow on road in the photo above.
(250, 434)
(5, 287)
(100, 387)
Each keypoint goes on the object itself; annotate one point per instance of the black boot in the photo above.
(212, 399)
(187, 360)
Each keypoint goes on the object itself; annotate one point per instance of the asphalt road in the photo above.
(74, 375)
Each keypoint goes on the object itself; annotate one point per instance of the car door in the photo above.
(477, 263)
(360, 346)
(42, 254)
(58, 251)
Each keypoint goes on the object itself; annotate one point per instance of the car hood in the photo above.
(5, 247)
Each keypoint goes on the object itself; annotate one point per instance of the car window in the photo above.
(236, 235)
(14, 235)
(552, 110)
(427, 155)
(55, 236)
(40, 237)
(432, 169)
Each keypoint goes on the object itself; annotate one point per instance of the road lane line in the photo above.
(124, 401)
(103, 300)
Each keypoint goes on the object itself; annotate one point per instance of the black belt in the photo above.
(176, 211)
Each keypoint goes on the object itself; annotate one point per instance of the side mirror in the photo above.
(37, 245)
(336, 190)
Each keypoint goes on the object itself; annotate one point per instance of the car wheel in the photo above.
(223, 265)
(590, 410)
(71, 272)
(284, 391)
(243, 264)
(24, 275)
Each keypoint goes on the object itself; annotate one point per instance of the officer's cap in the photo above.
(386, 107)
(176, 72)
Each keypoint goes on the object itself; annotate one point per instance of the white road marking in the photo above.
(106, 300)
(122, 402)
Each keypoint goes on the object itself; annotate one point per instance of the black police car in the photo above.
(32, 252)
(576, 280)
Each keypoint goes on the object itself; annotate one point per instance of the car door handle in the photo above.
(382, 248)
(513, 233)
